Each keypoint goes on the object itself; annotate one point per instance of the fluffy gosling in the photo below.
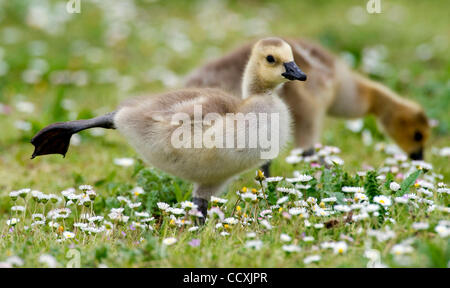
(151, 124)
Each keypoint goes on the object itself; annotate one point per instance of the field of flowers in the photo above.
(358, 202)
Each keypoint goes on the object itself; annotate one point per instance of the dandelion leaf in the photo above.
(408, 182)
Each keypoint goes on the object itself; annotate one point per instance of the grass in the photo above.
(171, 38)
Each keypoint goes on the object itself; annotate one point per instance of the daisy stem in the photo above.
(264, 192)
(235, 205)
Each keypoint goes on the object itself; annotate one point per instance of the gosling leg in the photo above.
(308, 152)
(201, 195)
(202, 206)
(266, 168)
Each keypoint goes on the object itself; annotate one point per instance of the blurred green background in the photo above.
(56, 66)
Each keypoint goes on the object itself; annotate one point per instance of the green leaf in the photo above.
(161, 187)
(339, 196)
(408, 182)
(327, 180)
(371, 185)
(271, 192)
(101, 252)
(389, 180)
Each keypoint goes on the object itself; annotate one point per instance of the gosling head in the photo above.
(271, 63)
(409, 127)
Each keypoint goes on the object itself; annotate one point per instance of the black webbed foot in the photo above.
(53, 139)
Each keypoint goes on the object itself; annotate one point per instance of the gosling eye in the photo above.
(418, 136)
(270, 59)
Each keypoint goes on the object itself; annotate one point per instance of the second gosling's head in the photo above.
(273, 62)
(409, 127)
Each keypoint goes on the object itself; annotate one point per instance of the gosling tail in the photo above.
(55, 138)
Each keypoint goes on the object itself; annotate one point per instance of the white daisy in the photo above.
(142, 214)
(330, 199)
(134, 205)
(217, 200)
(12, 221)
(274, 179)
(442, 230)
(14, 195)
(402, 200)
(248, 196)
(176, 211)
(15, 261)
(312, 258)
(308, 239)
(85, 187)
(297, 211)
(123, 200)
(285, 237)
(18, 208)
(48, 260)
(394, 186)
(136, 191)
(319, 225)
(342, 208)
(291, 248)
(340, 247)
(299, 178)
(350, 189)
(169, 241)
(383, 200)
(68, 235)
(255, 244)
(230, 220)
(124, 162)
(193, 228)
(282, 200)
(420, 225)
(38, 216)
(163, 206)
(188, 205)
(266, 224)
(311, 200)
(401, 249)
(360, 197)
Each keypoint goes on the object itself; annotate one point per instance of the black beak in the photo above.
(293, 72)
(418, 155)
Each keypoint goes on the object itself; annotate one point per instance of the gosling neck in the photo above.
(382, 100)
(253, 85)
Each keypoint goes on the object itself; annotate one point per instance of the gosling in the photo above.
(334, 89)
(150, 123)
